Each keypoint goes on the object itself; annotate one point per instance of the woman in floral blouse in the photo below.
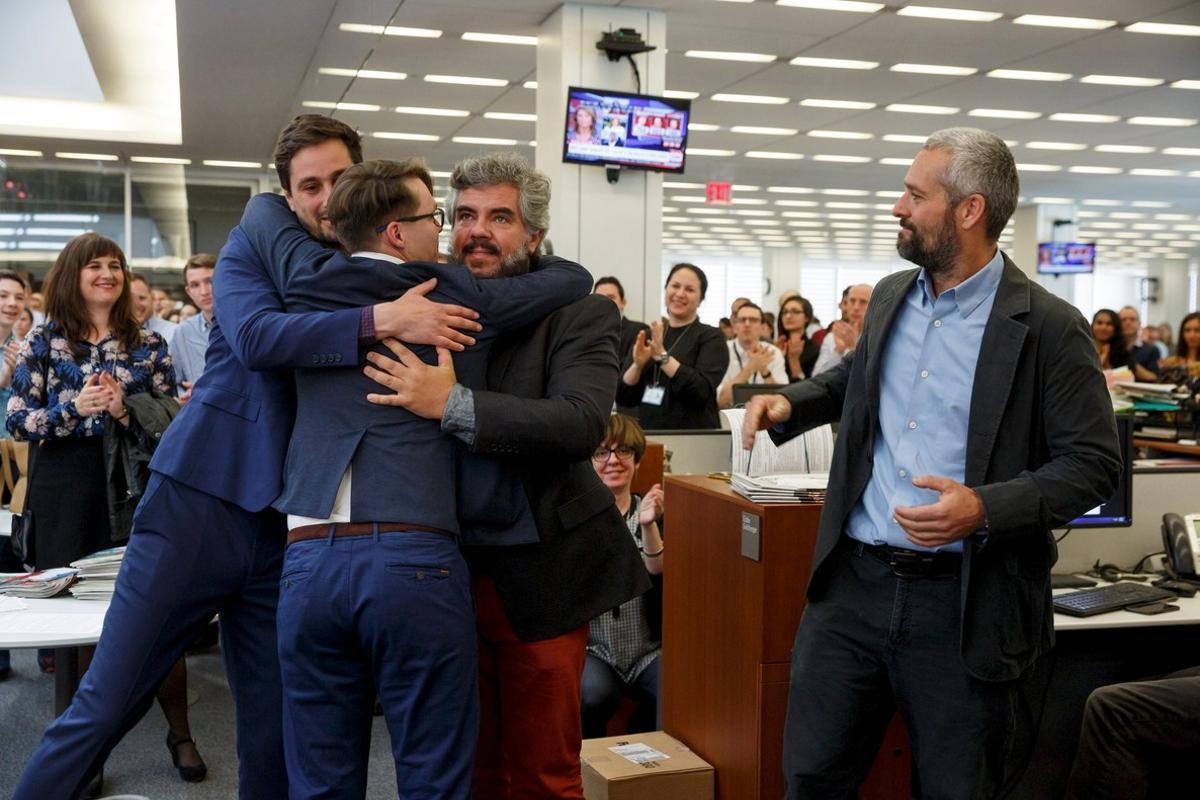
(73, 373)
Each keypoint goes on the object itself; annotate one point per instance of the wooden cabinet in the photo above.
(728, 624)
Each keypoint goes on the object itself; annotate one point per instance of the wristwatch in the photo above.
(661, 359)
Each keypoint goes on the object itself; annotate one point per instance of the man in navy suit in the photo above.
(376, 595)
(205, 539)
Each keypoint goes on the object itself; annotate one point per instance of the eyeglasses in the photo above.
(438, 215)
(623, 452)
(788, 311)
(748, 320)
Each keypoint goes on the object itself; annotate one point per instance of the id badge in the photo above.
(654, 395)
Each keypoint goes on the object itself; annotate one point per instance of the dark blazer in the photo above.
(1042, 449)
(557, 380)
(404, 468)
(229, 441)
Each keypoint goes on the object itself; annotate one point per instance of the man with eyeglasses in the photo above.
(549, 391)
(750, 360)
(375, 595)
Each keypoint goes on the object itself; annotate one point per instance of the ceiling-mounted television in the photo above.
(1066, 258)
(606, 128)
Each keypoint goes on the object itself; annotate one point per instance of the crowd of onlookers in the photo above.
(677, 373)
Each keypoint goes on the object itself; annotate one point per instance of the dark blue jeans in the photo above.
(388, 613)
(602, 692)
(874, 643)
(190, 555)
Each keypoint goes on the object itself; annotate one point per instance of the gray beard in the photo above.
(937, 260)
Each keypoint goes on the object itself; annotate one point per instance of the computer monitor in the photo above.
(742, 392)
(1117, 511)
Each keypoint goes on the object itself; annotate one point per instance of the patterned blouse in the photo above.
(49, 376)
(621, 637)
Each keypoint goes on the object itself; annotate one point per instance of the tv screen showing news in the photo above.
(631, 130)
(1117, 511)
(1066, 258)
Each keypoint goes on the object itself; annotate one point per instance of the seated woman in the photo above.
(624, 644)
(1110, 343)
(1184, 363)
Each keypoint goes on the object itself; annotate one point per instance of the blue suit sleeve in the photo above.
(506, 304)
(248, 306)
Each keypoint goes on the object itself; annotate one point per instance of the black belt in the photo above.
(906, 563)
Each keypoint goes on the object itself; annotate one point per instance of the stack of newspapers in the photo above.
(794, 472)
(36, 585)
(782, 488)
(98, 574)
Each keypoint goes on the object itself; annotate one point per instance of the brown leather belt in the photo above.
(321, 531)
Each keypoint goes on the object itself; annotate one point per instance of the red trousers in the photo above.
(529, 723)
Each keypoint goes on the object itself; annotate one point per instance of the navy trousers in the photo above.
(189, 556)
(389, 613)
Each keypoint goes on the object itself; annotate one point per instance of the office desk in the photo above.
(1092, 652)
(62, 623)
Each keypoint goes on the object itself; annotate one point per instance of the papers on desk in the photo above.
(794, 472)
(98, 574)
(36, 585)
(782, 488)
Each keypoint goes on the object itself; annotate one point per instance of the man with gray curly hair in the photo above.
(974, 419)
(519, 224)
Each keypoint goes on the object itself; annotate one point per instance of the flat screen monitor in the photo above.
(1117, 511)
(1066, 258)
(606, 128)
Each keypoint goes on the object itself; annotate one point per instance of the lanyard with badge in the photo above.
(655, 393)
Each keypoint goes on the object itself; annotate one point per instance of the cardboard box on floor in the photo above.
(644, 766)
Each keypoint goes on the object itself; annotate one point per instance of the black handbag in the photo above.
(24, 544)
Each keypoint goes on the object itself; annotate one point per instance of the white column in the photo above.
(1034, 224)
(612, 229)
(1171, 300)
(781, 269)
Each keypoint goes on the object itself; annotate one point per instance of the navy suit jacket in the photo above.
(229, 440)
(403, 467)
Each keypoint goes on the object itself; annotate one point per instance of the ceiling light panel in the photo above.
(390, 30)
(773, 154)
(499, 38)
(1062, 116)
(1166, 122)
(763, 131)
(850, 135)
(852, 105)
(1132, 149)
(755, 99)
(913, 108)
(373, 74)
(509, 116)
(1055, 146)
(678, 94)
(465, 80)
(340, 106)
(1164, 28)
(832, 63)
(432, 112)
(851, 6)
(1121, 80)
(933, 69)
(405, 137)
(728, 55)
(1050, 21)
(1029, 75)
(1003, 113)
(955, 14)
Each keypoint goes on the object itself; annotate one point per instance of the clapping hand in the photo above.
(759, 358)
(641, 350)
(652, 505)
(116, 395)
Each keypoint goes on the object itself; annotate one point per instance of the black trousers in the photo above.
(1137, 736)
(875, 643)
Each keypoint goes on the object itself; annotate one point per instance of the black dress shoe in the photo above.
(95, 786)
(192, 774)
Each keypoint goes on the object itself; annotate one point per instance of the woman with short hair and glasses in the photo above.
(624, 644)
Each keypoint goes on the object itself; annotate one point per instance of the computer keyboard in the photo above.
(1113, 597)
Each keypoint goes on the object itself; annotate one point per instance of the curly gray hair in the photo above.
(980, 163)
(532, 186)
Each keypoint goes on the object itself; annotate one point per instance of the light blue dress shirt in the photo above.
(189, 346)
(927, 374)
